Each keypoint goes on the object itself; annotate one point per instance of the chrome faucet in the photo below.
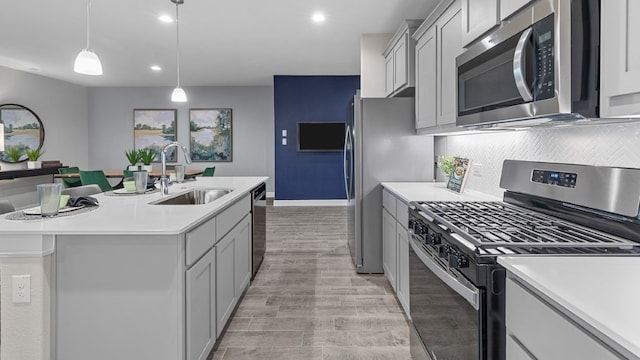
(164, 180)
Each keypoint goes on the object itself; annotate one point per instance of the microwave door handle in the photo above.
(518, 66)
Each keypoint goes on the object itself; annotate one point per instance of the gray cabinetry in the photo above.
(233, 269)
(538, 330)
(225, 285)
(426, 84)
(399, 61)
(395, 239)
(389, 247)
(478, 17)
(200, 307)
(510, 7)
(620, 54)
(438, 44)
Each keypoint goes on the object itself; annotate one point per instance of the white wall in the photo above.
(609, 145)
(62, 108)
(111, 125)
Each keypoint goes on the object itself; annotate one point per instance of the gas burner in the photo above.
(502, 228)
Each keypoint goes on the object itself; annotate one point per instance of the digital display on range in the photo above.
(555, 178)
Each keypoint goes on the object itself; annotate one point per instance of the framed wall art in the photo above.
(210, 134)
(153, 129)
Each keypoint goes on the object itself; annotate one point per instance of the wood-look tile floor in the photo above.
(307, 302)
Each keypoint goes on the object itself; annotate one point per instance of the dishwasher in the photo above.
(259, 227)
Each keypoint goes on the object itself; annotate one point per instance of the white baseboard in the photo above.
(310, 202)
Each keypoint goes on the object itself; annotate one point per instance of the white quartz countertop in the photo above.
(132, 214)
(433, 191)
(599, 293)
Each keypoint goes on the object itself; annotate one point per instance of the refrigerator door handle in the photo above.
(344, 162)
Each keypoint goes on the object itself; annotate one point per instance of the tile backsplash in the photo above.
(607, 144)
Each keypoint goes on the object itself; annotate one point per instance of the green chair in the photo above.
(127, 173)
(209, 171)
(70, 182)
(95, 177)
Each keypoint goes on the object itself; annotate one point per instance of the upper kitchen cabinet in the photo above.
(478, 17)
(399, 61)
(620, 54)
(510, 7)
(439, 42)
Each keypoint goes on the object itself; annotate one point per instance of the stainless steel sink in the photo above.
(193, 197)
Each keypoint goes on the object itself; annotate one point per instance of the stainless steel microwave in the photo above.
(542, 64)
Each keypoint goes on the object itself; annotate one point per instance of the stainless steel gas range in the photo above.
(457, 291)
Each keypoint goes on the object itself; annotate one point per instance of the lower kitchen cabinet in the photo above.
(395, 252)
(201, 308)
(233, 270)
(538, 330)
(402, 289)
(226, 294)
(389, 247)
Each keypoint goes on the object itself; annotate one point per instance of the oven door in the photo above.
(445, 309)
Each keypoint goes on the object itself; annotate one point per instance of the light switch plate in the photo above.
(284, 132)
(284, 141)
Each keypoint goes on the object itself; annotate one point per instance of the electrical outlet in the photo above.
(21, 288)
(477, 170)
(284, 141)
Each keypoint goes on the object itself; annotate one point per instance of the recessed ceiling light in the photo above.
(155, 68)
(165, 18)
(318, 17)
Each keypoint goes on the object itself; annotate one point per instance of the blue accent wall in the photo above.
(309, 175)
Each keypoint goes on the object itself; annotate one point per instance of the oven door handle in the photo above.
(468, 292)
(518, 66)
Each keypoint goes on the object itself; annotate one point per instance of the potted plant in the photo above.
(32, 156)
(447, 164)
(146, 156)
(134, 157)
(13, 155)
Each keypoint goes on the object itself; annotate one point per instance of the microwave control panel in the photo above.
(543, 38)
(554, 178)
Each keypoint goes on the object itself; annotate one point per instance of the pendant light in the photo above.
(178, 95)
(87, 61)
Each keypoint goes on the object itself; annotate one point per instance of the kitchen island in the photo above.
(129, 280)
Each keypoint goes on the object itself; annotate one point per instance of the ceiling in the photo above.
(222, 42)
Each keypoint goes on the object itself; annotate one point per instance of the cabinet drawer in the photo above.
(229, 217)
(544, 332)
(199, 240)
(402, 213)
(389, 202)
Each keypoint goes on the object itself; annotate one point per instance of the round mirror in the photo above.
(23, 131)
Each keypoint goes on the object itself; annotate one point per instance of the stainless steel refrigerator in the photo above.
(380, 145)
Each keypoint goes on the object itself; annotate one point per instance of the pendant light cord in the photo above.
(88, 21)
(178, 41)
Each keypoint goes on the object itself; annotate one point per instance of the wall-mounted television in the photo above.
(321, 136)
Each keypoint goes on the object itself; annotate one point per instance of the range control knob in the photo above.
(443, 251)
(458, 260)
(433, 239)
(423, 230)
